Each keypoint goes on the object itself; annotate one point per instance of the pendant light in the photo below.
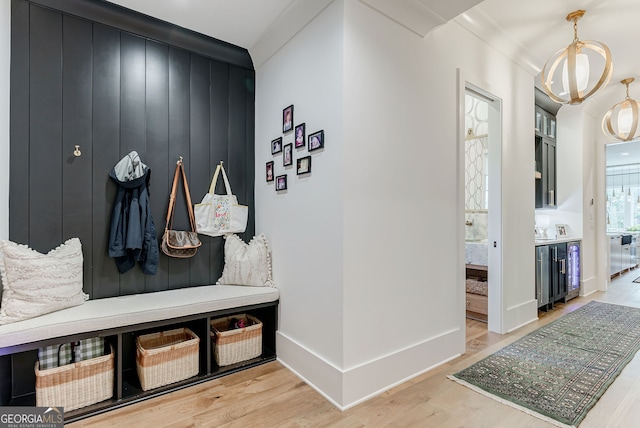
(621, 121)
(566, 77)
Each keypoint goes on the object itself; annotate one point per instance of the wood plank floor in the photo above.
(272, 396)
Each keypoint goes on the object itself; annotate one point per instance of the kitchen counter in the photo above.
(556, 240)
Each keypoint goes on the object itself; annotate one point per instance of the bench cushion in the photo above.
(122, 311)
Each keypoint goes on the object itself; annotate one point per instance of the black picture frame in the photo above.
(276, 146)
(281, 182)
(287, 119)
(300, 135)
(269, 171)
(316, 141)
(287, 157)
(303, 165)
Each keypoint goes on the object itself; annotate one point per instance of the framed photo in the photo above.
(300, 135)
(269, 171)
(562, 230)
(287, 119)
(316, 141)
(276, 146)
(287, 159)
(281, 182)
(303, 165)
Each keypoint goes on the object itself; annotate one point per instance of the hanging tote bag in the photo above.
(180, 243)
(218, 215)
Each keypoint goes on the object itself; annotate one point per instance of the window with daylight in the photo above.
(623, 198)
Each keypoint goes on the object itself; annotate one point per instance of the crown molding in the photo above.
(487, 29)
(414, 15)
(293, 19)
(420, 16)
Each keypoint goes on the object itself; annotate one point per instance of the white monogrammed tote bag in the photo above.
(217, 215)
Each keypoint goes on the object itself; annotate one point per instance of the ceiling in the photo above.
(239, 22)
(528, 31)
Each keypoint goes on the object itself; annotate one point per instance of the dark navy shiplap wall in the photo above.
(96, 75)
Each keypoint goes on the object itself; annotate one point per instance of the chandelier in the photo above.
(568, 76)
(621, 121)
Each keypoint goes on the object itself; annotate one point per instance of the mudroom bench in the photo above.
(119, 320)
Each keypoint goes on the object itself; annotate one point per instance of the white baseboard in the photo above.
(588, 286)
(346, 388)
(518, 316)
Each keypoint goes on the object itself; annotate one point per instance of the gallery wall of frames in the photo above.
(293, 149)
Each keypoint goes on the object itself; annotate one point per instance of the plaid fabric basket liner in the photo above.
(76, 385)
(60, 355)
(234, 346)
(167, 357)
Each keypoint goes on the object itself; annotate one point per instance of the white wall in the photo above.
(5, 61)
(372, 291)
(577, 187)
(400, 283)
(450, 47)
(305, 224)
(602, 256)
(569, 172)
(590, 265)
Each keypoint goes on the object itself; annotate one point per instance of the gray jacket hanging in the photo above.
(132, 235)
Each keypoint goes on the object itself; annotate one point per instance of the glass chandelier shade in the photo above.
(569, 76)
(621, 121)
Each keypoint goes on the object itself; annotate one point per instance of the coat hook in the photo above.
(77, 151)
(179, 161)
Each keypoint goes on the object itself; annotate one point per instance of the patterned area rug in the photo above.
(559, 371)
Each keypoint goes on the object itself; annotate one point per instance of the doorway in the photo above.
(622, 199)
(482, 205)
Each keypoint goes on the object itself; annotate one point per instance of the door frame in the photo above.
(495, 311)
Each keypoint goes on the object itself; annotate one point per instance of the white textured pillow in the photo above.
(35, 284)
(246, 264)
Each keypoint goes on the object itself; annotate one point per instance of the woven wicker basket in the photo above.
(167, 357)
(233, 346)
(76, 385)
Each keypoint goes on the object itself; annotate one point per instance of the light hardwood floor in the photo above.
(272, 396)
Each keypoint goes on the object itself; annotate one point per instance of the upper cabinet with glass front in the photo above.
(545, 123)
(545, 150)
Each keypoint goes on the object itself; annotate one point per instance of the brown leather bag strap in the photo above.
(192, 217)
(172, 197)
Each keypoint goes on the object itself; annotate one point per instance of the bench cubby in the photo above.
(18, 356)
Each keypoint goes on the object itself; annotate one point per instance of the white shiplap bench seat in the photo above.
(117, 312)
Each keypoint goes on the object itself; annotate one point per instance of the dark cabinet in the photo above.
(545, 151)
(551, 274)
(542, 275)
(545, 156)
(558, 280)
